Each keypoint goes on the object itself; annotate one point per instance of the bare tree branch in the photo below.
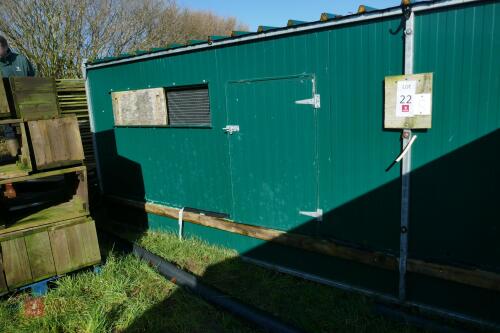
(56, 35)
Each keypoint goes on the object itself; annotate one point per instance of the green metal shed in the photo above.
(283, 130)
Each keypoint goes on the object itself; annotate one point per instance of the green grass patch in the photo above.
(308, 305)
(127, 296)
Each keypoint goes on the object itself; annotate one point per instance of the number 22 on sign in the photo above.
(404, 98)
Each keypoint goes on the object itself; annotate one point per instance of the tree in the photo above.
(57, 35)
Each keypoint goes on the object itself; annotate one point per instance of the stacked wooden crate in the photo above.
(72, 100)
(45, 225)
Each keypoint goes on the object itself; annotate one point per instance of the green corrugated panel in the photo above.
(97, 60)
(239, 33)
(174, 45)
(148, 154)
(345, 150)
(212, 38)
(159, 49)
(454, 211)
(196, 41)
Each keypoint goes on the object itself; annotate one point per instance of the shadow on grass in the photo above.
(454, 218)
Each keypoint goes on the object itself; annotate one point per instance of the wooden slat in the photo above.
(25, 157)
(472, 277)
(271, 235)
(56, 142)
(4, 104)
(39, 84)
(60, 250)
(72, 99)
(43, 175)
(34, 98)
(76, 246)
(3, 283)
(40, 255)
(16, 262)
(20, 230)
(89, 236)
(10, 121)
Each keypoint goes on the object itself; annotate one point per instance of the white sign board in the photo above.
(408, 101)
(405, 98)
(423, 104)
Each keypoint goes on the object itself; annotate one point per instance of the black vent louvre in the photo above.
(188, 106)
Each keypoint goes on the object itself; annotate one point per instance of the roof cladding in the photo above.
(326, 19)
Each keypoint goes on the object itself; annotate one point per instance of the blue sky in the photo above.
(277, 12)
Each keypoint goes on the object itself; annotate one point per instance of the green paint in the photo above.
(281, 146)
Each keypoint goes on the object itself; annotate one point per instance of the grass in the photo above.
(307, 305)
(129, 296)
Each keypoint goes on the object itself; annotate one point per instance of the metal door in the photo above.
(272, 142)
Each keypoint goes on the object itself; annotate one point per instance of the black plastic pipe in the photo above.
(260, 318)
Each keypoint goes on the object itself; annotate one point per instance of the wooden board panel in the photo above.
(144, 107)
(3, 283)
(25, 157)
(60, 251)
(4, 104)
(56, 142)
(43, 174)
(82, 244)
(37, 84)
(34, 97)
(423, 86)
(8, 171)
(89, 235)
(40, 255)
(62, 212)
(16, 263)
(76, 246)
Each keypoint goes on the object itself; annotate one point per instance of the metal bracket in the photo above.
(231, 129)
(318, 214)
(315, 101)
(406, 149)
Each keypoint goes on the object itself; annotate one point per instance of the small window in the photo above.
(188, 106)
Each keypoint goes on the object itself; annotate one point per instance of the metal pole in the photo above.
(406, 163)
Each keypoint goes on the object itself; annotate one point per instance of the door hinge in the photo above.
(231, 129)
(315, 101)
(318, 214)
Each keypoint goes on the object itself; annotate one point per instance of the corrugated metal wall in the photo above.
(453, 203)
(454, 214)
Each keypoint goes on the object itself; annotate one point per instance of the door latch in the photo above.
(231, 129)
(318, 214)
(315, 101)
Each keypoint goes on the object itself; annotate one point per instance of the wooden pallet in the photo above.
(45, 251)
(45, 144)
(48, 241)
